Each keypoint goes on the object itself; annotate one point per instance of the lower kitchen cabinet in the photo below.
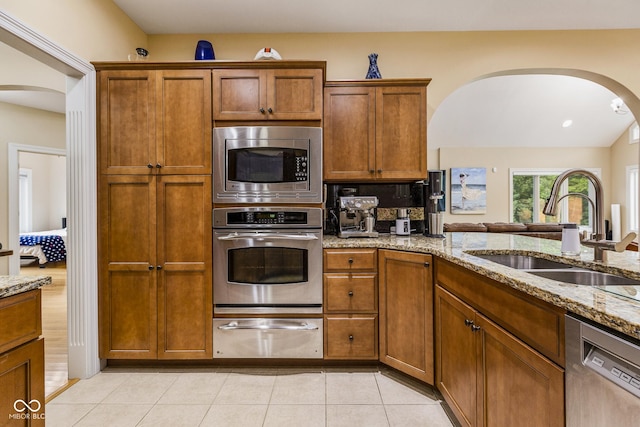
(489, 377)
(155, 292)
(406, 312)
(21, 360)
(350, 304)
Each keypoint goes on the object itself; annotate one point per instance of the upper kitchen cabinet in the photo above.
(375, 130)
(155, 121)
(268, 94)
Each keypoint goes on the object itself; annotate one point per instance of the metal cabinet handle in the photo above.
(270, 110)
(159, 267)
(372, 171)
(468, 322)
(150, 166)
(350, 260)
(350, 293)
(262, 110)
(158, 165)
(379, 170)
(350, 337)
(475, 328)
(150, 267)
(426, 264)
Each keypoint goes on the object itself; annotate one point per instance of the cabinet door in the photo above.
(517, 385)
(185, 307)
(184, 122)
(127, 278)
(406, 313)
(401, 132)
(239, 95)
(456, 358)
(22, 378)
(127, 122)
(294, 94)
(349, 133)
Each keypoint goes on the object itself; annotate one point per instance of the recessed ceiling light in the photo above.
(567, 123)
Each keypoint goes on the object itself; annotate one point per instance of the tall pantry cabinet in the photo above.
(154, 212)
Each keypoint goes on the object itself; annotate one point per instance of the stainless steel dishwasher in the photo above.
(602, 376)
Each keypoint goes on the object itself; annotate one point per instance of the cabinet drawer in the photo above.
(20, 319)
(350, 292)
(351, 337)
(350, 259)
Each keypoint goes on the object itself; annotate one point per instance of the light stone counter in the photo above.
(617, 312)
(12, 285)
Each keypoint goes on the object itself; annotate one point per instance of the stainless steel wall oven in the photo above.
(268, 260)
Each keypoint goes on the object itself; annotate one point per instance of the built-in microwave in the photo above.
(267, 164)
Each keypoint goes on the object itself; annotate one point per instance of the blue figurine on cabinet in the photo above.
(374, 72)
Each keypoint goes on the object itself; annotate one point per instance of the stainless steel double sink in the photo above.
(558, 271)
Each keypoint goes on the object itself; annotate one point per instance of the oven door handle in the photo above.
(291, 326)
(268, 236)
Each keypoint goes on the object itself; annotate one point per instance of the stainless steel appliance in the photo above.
(267, 164)
(357, 216)
(602, 377)
(267, 260)
(270, 338)
(433, 204)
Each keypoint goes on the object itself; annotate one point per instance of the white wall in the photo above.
(49, 189)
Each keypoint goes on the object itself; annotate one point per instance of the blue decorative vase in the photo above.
(204, 50)
(373, 72)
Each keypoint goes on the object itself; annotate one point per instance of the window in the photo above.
(530, 189)
(632, 197)
(634, 133)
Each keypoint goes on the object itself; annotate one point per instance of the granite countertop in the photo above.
(617, 312)
(12, 285)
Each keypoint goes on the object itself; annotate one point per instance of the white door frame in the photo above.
(82, 276)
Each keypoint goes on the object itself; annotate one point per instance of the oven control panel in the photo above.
(267, 217)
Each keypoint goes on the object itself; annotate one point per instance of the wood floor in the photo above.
(54, 324)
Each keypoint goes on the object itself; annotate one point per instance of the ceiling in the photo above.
(524, 110)
(287, 16)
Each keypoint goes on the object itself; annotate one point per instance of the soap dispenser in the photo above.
(570, 240)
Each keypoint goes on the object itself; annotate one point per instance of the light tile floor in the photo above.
(246, 398)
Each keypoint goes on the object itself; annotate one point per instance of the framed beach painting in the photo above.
(468, 190)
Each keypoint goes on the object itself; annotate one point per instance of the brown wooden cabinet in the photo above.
(155, 267)
(155, 121)
(350, 304)
(22, 360)
(488, 376)
(406, 312)
(375, 130)
(267, 94)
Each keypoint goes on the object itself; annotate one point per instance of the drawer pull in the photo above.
(475, 328)
(426, 264)
(350, 293)
(350, 337)
(468, 322)
(267, 325)
(350, 260)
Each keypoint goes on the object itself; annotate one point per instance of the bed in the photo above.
(45, 246)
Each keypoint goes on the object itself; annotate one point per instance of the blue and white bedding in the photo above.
(47, 246)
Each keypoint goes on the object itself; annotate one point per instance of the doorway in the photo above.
(82, 309)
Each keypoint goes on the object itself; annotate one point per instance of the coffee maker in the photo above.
(434, 204)
(357, 216)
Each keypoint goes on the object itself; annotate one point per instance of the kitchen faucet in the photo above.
(597, 240)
